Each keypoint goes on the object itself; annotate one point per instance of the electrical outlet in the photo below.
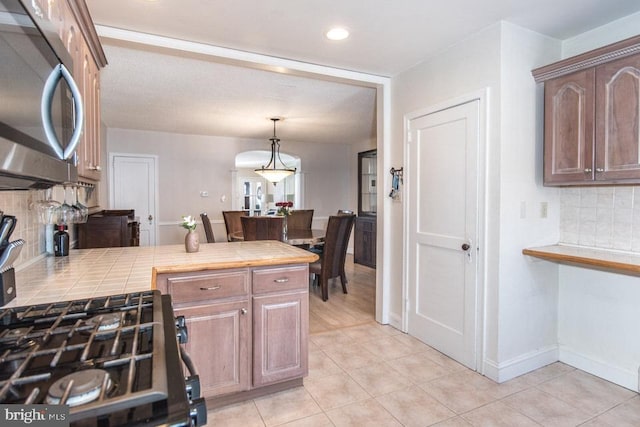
(544, 207)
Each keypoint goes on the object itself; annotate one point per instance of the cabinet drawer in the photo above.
(208, 286)
(280, 279)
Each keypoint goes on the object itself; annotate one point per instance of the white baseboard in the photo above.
(395, 320)
(615, 374)
(501, 372)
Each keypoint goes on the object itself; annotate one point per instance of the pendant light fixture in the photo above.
(271, 172)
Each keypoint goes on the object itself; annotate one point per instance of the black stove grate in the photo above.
(121, 334)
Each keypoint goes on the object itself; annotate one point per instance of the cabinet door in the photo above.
(280, 333)
(568, 138)
(618, 119)
(89, 147)
(219, 340)
(364, 250)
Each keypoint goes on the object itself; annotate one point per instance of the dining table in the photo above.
(296, 237)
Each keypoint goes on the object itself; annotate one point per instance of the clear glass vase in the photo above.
(284, 229)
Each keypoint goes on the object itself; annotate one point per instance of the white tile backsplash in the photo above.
(18, 204)
(601, 217)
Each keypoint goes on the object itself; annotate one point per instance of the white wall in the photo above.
(598, 324)
(188, 164)
(598, 311)
(520, 297)
(528, 292)
(464, 68)
(610, 33)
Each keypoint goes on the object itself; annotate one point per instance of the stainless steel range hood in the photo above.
(23, 168)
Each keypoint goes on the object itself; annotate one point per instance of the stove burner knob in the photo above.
(181, 330)
(193, 387)
(198, 412)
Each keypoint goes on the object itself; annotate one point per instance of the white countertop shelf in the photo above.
(602, 259)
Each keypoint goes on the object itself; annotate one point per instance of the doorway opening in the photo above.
(256, 195)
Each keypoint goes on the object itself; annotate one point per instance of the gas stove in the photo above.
(112, 360)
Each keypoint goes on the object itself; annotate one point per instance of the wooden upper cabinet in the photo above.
(81, 40)
(568, 133)
(618, 119)
(592, 117)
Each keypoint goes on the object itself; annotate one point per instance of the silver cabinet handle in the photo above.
(212, 288)
(599, 170)
(588, 170)
(243, 311)
(284, 280)
(60, 72)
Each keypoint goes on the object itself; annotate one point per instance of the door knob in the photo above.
(465, 246)
(150, 218)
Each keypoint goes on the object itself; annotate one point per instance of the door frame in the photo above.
(482, 96)
(156, 176)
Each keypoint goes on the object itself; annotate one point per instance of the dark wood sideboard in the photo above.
(109, 228)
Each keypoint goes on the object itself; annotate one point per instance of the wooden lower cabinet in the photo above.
(279, 330)
(364, 241)
(218, 345)
(247, 328)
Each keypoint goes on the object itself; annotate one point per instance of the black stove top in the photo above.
(110, 359)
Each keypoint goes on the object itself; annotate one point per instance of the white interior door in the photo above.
(133, 186)
(442, 154)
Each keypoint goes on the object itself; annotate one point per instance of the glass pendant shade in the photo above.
(274, 175)
(271, 172)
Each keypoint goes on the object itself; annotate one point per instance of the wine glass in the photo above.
(47, 209)
(66, 212)
(82, 212)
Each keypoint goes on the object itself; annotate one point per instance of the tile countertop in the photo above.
(106, 271)
(602, 259)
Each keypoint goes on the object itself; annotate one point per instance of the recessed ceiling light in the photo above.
(337, 33)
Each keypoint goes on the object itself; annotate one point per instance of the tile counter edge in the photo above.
(587, 257)
(108, 271)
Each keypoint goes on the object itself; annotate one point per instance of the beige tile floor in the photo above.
(367, 374)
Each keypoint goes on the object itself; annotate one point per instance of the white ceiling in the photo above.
(158, 89)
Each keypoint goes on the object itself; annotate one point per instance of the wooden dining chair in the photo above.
(318, 248)
(206, 224)
(300, 219)
(331, 262)
(262, 227)
(232, 222)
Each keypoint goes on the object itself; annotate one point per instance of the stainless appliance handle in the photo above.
(59, 72)
(188, 362)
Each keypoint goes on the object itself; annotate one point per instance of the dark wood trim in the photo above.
(589, 59)
(361, 155)
(82, 15)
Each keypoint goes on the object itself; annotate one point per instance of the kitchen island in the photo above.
(246, 305)
(106, 271)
